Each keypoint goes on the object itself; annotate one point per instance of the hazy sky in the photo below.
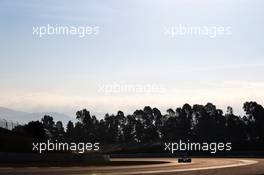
(65, 73)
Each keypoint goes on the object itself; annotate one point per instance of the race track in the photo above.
(218, 166)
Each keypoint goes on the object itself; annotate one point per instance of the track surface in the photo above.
(198, 166)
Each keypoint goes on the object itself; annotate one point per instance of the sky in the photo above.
(68, 73)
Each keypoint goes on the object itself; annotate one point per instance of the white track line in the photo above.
(241, 163)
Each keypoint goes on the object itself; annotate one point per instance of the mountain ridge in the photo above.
(24, 117)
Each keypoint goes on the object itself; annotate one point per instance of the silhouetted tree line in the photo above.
(148, 125)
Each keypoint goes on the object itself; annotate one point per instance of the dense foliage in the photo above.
(197, 122)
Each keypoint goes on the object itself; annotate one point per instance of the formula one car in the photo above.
(184, 159)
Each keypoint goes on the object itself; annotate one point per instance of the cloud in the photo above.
(233, 93)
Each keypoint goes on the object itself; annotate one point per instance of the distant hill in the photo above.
(25, 117)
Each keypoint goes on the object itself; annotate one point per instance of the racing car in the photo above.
(184, 159)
